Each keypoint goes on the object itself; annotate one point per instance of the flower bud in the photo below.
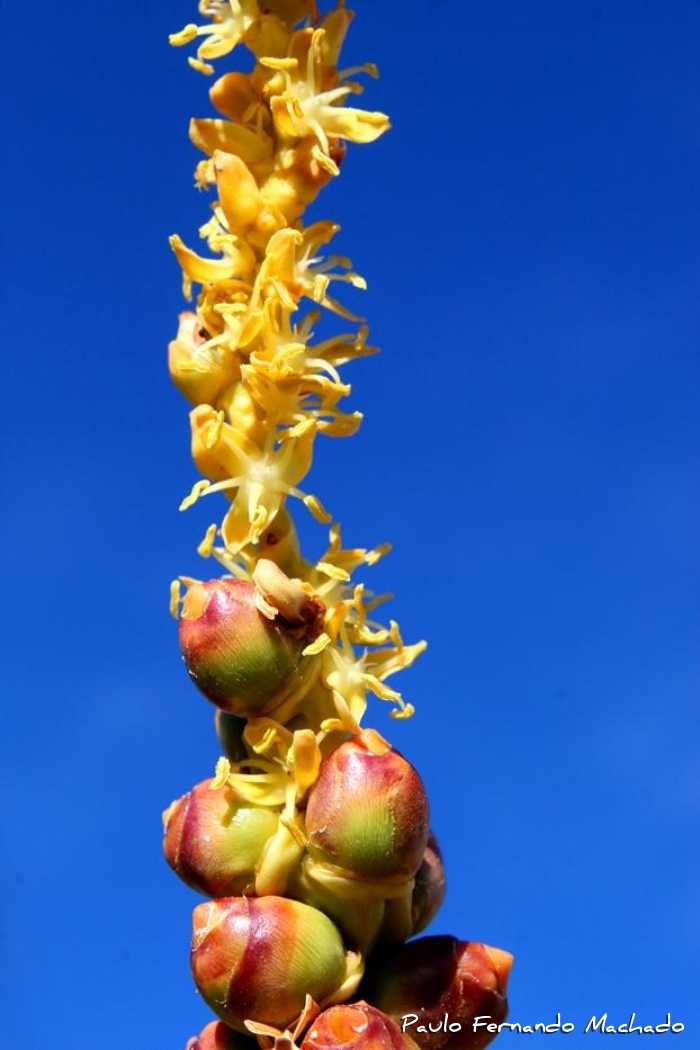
(435, 977)
(214, 843)
(258, 958)
(430, 887)
(243, 661)
(367, 813)
(355, 1027)
(197, 372)
(218, 1036)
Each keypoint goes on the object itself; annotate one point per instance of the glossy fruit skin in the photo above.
(356, 1026)
(243, 662)
(218, 1036)
(214, 842)
(368, 814)
(436, 976)
(430, 887)
(258, 958)
(229, 730)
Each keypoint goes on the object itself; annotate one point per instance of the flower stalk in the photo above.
(312, 838)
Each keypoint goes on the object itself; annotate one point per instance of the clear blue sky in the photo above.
(529, 233)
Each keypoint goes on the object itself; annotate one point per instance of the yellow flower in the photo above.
(331, 574)
(348, 676)
(231, 21)
(288, 347)
(311, 102)
(258, 479)
(288, 761)
(216, 444)
(351, 677)
(224, 309)
(278, 544)
(236, 313)
(290, 401)
(281, 768)
(242, 206)
(292, 269)
(294, 380)
(237, 262)
(299, 173)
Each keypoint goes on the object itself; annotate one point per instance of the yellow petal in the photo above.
(358, 125)
(199, 269)
(252, 147)
(239, 195)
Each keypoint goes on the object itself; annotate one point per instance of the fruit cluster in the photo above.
(312, 840)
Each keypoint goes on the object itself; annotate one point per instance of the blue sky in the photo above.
(529, 233)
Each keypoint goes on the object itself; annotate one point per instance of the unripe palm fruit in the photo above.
(243, 661)
(214, 842)
(367, 813)
(408, 914)
(430, 887)
(432, 977)
(218, 1036)
(229, 729)
(356, 1027)
(257, 959)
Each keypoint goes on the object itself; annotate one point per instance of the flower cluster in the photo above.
(312, 839)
